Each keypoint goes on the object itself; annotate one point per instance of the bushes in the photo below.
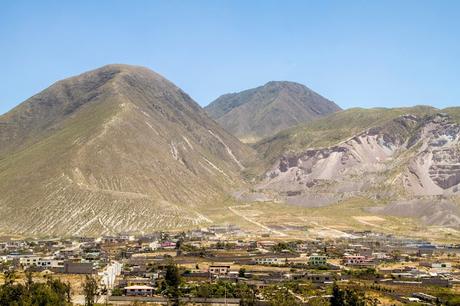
(51, 293)
(350, 297)
(221, 289)
(117, 292)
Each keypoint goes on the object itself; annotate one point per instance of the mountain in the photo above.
(395, 156)
(116, 149)
(121, 148)
(263, 111)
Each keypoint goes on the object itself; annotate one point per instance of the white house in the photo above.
(219, 269)
(29, 260)
(441, 267)
(139, 290)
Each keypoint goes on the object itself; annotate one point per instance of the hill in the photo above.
(115, 149)
(263, 111)
(392, 156)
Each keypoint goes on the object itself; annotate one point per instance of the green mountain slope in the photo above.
(331, 129)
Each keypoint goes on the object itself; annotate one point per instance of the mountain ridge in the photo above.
(397, 156)
(262, 111)
(121, 148)
(135, 143)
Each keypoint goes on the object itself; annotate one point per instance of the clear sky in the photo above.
(357, 53)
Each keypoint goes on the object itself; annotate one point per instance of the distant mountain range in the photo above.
(121, 148)
(264, 111)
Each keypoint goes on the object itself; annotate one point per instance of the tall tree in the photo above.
(173, 281)
(337, 298)
(90, 288)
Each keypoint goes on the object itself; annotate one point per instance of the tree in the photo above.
(10, 277)
(53, 292)
(179, 243)
(351, 297)
(246, 294)
(283, 297)
(90, 288)
(203, 291)
(173, 281)
(337, 296)
(355, 297)
(117, 292)
(242, 272)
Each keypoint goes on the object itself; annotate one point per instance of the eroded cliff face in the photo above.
(435, 167)
(405, 157)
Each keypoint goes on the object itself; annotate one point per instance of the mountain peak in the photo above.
(111, 71)
(263, 111)
(108, 142)
(282, 84)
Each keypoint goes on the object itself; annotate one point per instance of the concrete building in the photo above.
(138, 290)
(317, 260)
(78, 267)
(219, 269)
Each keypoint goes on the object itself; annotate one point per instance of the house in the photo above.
(319, 278)
(219, 269)
(317, 260)
(28, 261)
(266, 244)
(357, 260)
(218, 229)
(50, 263)
(274, 259)
(269, 260)
(138, 281)
(169, 245)
(67, 253)
(154, 245)
(441, 267)
(425, 249)
(403, 275)
(424, 297)
(138, 290)
(437, 281)
(380, 255)
(78, 268)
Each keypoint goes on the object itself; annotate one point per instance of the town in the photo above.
(225, 265)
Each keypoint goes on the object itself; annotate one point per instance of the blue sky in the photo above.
(357, 53)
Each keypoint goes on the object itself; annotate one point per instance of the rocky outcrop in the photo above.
(435, 167)
(404, 157)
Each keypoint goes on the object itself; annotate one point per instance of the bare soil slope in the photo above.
(115, 149)
(263, 111)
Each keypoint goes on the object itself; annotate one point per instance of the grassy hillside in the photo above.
(332, 129)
